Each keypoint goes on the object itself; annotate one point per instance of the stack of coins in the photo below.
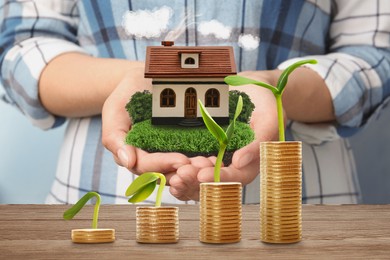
(220, 212)
(281, 192)
(157, 225)
(92, 236)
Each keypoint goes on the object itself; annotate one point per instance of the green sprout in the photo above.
(222, 137)
(277, 91)
(70, 213)
(141, 188)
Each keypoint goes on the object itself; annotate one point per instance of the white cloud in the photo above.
(248, 42)
(215, 28)
(146, 23)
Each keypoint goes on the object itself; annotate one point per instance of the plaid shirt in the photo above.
(350, 39)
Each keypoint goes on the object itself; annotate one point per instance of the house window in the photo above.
(212, 98)
(168, 98)
(189, 61)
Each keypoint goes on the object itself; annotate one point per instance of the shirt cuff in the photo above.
(21, 71)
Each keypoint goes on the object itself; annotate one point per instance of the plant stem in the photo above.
(160, 189)
(280, 117)
(218, 163)
(96, 212)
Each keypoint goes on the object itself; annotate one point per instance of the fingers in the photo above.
(114, 131)
(158, 162)
(228, 174)
(200, 162)
(245, 175)
(246, 155)
(184, 184)
(115, 125)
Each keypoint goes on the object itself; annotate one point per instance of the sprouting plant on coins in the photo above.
(222, 136)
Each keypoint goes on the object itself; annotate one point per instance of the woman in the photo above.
(82, 60)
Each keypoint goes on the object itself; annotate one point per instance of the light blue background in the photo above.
(28, 158)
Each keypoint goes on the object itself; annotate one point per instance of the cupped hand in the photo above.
(184, 185)
(116, 123)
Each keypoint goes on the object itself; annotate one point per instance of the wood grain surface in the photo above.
(329, 232)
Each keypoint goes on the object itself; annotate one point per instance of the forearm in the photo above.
(77, 85)
(307, 98)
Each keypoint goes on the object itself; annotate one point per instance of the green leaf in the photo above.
(239, 80)
(282, 82)
(230, 129)
(70, 213)
(143, 180)
(212, 126)
(238, 108)
(143, 193)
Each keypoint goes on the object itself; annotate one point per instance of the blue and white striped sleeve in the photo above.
(357, 68)
(32, 33)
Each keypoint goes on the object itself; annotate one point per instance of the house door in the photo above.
(190, 103)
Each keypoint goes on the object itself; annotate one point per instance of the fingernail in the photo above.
(245, 160)
(123, 158)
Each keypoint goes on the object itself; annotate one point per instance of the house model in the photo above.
(181, 75)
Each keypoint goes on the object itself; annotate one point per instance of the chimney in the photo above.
(167, 43)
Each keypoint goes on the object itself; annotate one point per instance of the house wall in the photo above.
(180, 89)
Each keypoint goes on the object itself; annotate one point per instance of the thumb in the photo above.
(246, 155)
(115, 125)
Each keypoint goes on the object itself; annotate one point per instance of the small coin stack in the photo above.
(281, 192)
(220, 212)
(157, 225)
(93, 236)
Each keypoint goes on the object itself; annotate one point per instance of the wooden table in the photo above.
(329, 232)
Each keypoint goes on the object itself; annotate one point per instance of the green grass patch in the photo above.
(153, 138)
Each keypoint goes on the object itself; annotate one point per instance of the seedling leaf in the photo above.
(142, 187)
(230, 129)
(238, 81)
(143, 193)
(138, 184)
(282, 82)
(70, 213)
(212, 126)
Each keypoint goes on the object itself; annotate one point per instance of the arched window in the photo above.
(168, 98)
(189, 60)
(212, 98)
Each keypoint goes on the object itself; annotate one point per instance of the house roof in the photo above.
(165, 62)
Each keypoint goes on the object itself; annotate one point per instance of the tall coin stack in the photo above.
(281, 192)
(220, 212)
(157, 225)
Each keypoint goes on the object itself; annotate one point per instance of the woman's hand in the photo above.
(116, 124)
